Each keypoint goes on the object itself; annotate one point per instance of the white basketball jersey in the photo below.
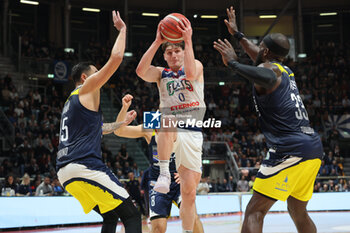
(179, 96)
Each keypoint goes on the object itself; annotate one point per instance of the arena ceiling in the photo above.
(217, 6)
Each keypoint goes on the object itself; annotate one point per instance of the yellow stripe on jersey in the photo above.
(76, 92)
(154, 133)
(296, 181)
(282, 69)
(90, 195)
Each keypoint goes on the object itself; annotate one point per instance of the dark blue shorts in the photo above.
(160, 204)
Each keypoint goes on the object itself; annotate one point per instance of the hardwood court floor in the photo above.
(328, 222)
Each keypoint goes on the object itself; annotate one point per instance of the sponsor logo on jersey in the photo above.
(183, 106)
(178, 85)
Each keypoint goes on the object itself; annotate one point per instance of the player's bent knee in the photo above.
(110, 217)
(297, 214)
(158, 228)
(130, 216)
(255, 216)
(133, 224)
(188, 193)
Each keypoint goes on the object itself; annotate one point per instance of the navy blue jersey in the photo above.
(154, 160)
(284, 120)
(80, 132)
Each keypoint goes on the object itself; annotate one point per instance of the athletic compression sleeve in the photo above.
(262, 76)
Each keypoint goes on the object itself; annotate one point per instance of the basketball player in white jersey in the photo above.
(180, 90)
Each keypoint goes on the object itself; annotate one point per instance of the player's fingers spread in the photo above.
(185, 24)
(114, 14)
(217, 47)
(188, 22)
(229, 12)
(228, 43)
(221, 43)
(182, 24)
(178, 27)
(218, 44)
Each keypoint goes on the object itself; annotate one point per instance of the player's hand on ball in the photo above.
(130, 116)
(127, 100)
(231, 22)
(117, 21)
(226, 50)
(159, 37)
(185, 28)
(177, 178)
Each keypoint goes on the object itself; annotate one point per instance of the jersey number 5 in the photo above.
(64, 130)
(301, 112)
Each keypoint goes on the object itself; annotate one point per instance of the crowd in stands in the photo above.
(35, 116)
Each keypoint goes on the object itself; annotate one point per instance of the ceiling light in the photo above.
(325, 25)
(128, 54)
(150, 14)
(328, 13)
(91, 9)
(209, 16)
(29, 2)
(267, 16)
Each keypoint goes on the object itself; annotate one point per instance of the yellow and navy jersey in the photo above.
(154, 159)
(284, 120)
(80, 132)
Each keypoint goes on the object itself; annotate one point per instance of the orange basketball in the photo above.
(168, 27)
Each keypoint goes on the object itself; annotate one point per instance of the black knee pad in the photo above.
(110, 220)
(110, 217)
(130, 216)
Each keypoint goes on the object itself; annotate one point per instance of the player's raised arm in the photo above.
(130, 131)
(145, 70)
(98, 79)
(193, 67)
(264, 76)
(249, 47)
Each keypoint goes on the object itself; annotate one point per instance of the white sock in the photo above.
(164, 167)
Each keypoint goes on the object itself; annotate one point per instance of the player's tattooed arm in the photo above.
(108, 128)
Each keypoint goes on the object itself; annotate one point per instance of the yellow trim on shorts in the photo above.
(90, 195)
(297, 181)
(175, 203)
